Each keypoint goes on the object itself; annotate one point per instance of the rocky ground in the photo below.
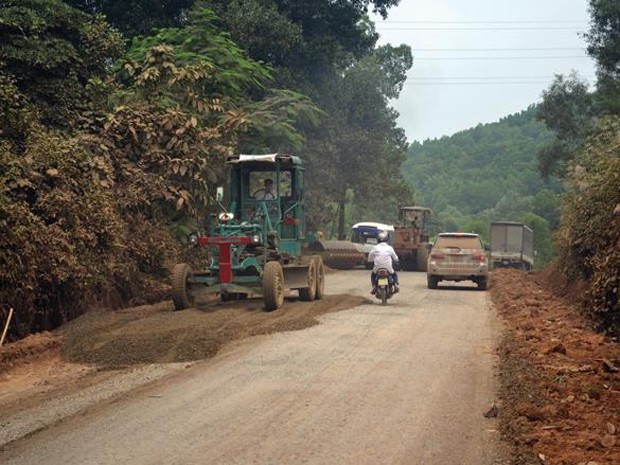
(560, 384)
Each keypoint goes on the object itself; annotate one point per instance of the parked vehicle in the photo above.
(411, 237)
(458, 257)
(512, 245)
(385, 286)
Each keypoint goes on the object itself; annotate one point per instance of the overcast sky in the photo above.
(480, 60)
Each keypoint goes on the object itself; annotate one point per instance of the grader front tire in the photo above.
(273, 286)
(180, 296)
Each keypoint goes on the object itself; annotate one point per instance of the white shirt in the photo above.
(265, 195)
(383, 255)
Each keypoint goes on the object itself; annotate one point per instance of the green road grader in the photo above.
(259, 244)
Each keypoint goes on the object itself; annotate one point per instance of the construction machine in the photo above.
(258, 245)
(411, 235)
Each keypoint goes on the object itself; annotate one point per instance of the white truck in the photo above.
(512, 245)
(364, 236)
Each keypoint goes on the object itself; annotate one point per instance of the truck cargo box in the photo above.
(512, 245)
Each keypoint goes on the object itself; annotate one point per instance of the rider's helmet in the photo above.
(382, 237)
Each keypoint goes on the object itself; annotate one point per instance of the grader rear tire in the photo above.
(308, 294)
(180, 296)
(273, 286)
(320, 279)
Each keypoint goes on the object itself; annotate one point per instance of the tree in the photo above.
(304, 40)
(604, 46)
(361, 148)
(137, 17)
(185, 102)
(52, 51)
(569, 110)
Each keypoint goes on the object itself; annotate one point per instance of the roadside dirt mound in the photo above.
(560, 285)
(156, 334)
(26, 349)
(560, 385)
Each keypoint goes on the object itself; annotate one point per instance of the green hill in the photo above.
(487, 173)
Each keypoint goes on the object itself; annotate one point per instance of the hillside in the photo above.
(486, 173)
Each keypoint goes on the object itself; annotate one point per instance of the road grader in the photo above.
(258, 245)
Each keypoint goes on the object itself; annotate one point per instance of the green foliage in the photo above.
(604, 46)
(569, 110)
(589, 239)
(200, 41)
(137, 17)
(50, 51)
(361, 149)
(186, 103)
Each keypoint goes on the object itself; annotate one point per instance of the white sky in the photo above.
(443, 96)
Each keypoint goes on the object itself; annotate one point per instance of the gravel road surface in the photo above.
(407, 383)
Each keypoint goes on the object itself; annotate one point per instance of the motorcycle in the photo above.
(385, 286)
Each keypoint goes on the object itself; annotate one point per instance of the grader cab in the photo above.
(257, 243)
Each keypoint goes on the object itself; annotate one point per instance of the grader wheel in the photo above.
(308, 294)
(320, 279)
(273, 286)
(180, 296)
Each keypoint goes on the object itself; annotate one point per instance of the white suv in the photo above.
(458, 257)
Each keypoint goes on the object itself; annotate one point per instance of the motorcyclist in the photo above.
(382, 255)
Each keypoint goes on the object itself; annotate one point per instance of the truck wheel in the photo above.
(482, 284)
(308, 294)
(320, 279)
(180, 296)
(273, 286)
(422, 257)
(432, 281)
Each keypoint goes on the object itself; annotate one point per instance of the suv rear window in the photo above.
(462, 242)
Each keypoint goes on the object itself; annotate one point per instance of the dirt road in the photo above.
(402, 384)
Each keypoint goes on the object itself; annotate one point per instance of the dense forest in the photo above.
(488, 173)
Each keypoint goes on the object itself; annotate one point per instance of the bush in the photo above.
(589, 238)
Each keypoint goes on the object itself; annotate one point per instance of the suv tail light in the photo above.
(479, 256)
(437, 256)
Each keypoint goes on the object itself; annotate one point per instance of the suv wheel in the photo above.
(432, 281)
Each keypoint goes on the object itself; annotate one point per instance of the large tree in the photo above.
(137, 17)
(604, 46)
(305, 40)
(569, 109)
(51, 51)
(361, 149)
